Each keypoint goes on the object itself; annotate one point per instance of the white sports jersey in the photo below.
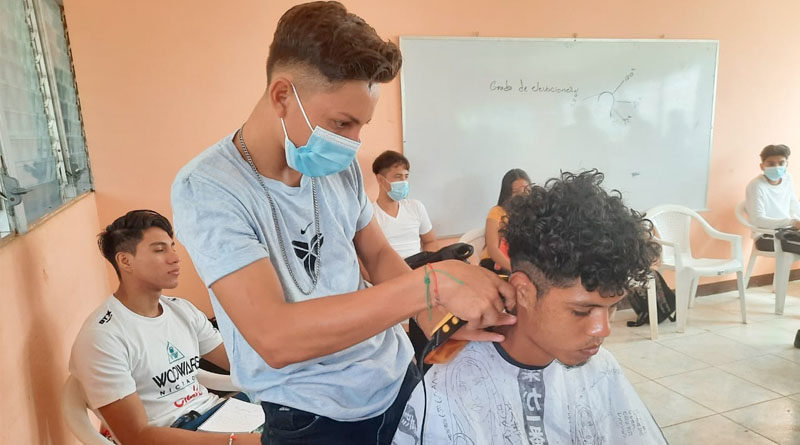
(119, 352)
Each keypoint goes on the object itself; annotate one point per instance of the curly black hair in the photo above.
(572, 228)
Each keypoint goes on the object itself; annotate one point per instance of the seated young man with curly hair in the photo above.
(575, 252)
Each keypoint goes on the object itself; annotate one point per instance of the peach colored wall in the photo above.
(160, 81)
(50, 278)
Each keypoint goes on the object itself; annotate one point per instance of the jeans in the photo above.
(289, 426)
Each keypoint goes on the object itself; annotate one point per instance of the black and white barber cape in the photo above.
(484, 397)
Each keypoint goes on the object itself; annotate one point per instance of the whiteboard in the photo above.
(640, 111)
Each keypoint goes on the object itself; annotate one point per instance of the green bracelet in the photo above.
(428, 293)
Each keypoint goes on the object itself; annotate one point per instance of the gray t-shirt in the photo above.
(223, 217)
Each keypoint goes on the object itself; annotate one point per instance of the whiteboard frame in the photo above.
(566, 39)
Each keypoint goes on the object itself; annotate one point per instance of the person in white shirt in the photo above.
(404, 221)
(575, 252)
(137, 355)
(771, 202)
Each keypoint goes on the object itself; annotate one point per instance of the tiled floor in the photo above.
(720, 382)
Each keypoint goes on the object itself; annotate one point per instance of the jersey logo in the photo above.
(106, 318)
(308, 252)
(174, 353)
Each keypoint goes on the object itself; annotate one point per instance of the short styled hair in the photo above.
(571, 229)
(387, 160)
(126, 232)
(775, 150)
(323, 35)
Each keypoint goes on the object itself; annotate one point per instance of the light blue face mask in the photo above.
(399, 190)
(324, 154)
(775, 173)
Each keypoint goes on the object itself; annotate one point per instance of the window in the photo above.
(43, 158)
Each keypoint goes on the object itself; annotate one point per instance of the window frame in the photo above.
(59, 144)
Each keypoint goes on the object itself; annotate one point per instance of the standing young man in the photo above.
(575, 252)
(275, 218)
(137, 355)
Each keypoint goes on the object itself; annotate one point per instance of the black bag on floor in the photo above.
(665, 303)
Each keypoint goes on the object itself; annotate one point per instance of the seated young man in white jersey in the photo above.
(770, 199)
(137, 355)
(575, 252)
(404, 221)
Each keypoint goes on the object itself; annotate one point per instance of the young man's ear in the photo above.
(279, 91)
(526, 290)
(124, 261)
(381, 180)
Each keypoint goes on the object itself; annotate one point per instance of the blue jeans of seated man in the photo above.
(290, 426)
(192, 420)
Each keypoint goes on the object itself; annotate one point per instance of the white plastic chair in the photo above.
(672, 222)
(652, 307)
(783, 260)
(75, 411)
(476, 238)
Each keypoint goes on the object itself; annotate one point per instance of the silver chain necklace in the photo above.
(315, 241)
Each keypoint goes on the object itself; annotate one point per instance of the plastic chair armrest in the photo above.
(762, 230)
(219, 382)
(675, 248)
(736, 248)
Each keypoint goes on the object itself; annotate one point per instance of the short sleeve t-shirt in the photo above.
(484, 397)
(118, 352)
(224, 219)
(403, 231)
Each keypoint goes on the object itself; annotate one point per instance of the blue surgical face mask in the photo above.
(775, 173)
(324, 154)
(399, 190)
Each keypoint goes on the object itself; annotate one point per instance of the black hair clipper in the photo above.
(441, 348)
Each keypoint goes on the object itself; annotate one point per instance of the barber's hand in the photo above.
(796, 224)
(481, 300)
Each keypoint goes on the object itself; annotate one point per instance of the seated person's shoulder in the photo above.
(496, 213)
(414, 203)
(416, 206)
(100, 357)
(197, 321)
(102, 323)
(755, 183)
(181, 305)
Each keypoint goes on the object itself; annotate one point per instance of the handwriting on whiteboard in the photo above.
(504, 86)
